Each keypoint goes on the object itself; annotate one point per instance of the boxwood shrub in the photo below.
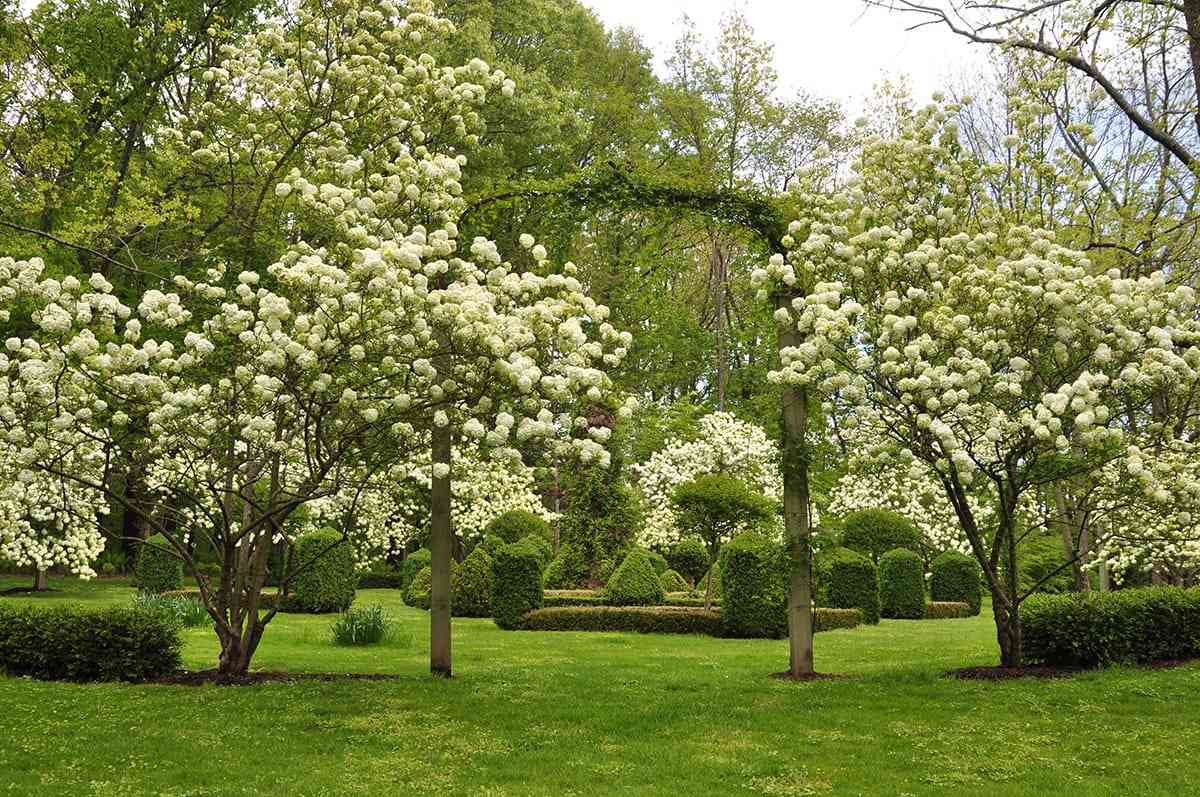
(641, 619)
(545, 550)
(901, 585)
(516, 524)
(754, 591)
(516, 584)
(572, 597)
(157, 568)
(72, 643)
(412, 565)
(689, 558)
(1096, 628)
(658, 561)
(874, 532)
(471, 585)
(946, 610)
(635, 582)
(956, 578)
(380, 575)
(672, 582)
(833, 619)
(325, 579)
(417, 594)
(851, 583)
(567, 570)
(714, 573)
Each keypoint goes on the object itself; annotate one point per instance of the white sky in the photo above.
(832, 48)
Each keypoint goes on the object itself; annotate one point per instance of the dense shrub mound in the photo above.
(516, 524)
(567, 570)
(635, 582)
(851, 583)
(956, 578)
(380, 575)
(1138, 626)
(157, 568)
(542, 546)
(417, 594)
(672, 582)
(325, 580)
(70, 643)
(833, 619)
(412, 565)
(471, 586)
(658, 561)
(754, 597)
(689, 558)
(874, 532)
(901, 585)
(946, 610)
(516, 584)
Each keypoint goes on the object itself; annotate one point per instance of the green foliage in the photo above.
(71, 643)
(567, 570)
(634, 583)
(601, 518)
(112, 561)
(417, 594)
(658, 561)
(833, 619)
(491, 543)
(325, 580)
(947, 610)
(380, 575)
(689, 558)
(851, 583)
(183, 611)
(573, 597)
(1097, 628)
(366, 625)
(518, 523)
(516, 584)
(901, 585)
(412, 564)
(874, 532)
(956, 578)
(639, 619)
(713, 573)
(471, 585)
(158, 568)
(543, 547)
(1042, 564)
(754, 598)
(672, 582)
(716, 506)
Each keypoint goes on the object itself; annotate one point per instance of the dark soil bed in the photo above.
(206, 677)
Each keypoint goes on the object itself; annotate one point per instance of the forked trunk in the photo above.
(1008, 634)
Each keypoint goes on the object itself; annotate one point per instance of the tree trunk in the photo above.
(1191, 15)
(440, 544)
(1105, 579)
(39, 581)
(719, 276)
(794, 405)
(1008, 634)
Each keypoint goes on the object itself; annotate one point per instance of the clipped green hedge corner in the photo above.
(516, 584)
(956, 578)
(851, 583)
(901, 585)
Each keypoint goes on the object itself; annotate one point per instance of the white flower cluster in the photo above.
(44, 523)
(722, 444)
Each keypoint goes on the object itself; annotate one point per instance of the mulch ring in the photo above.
(26, 591)
(812, 676)
(214, 678)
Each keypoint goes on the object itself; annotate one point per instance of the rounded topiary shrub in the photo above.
(689, 558)
(492, 543)
(635, 582)
(567, 570)
(851, 583)
(754, 597)
(672, 582)
(956, 578)
(471, 585)
(412, 565)
(874, 532)
(518, 523)
(516, 584)
(901, 585)
(417, 594)
(537, 542)
(325, 579)
(157, 568)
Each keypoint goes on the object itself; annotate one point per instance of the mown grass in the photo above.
(594, 714)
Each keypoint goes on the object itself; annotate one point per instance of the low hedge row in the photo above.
(1138, 626)
(72, 643)
(659, 619)
(946, 610)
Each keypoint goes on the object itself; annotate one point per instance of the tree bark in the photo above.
(440, 544)
(1191, 15)
(794, 405)
(39, 581)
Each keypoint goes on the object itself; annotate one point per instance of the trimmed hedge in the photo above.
(471, 586)
(851, 583)
(834, 619)
(417, 594)
(635, 582)
(956, 578)
(412, 564)
(516, 584)
(516, 524)
(754, 591)
(1138, 626)
(946, 610)
(72, 643)
(567, 570)
(901, 585)
(874, 532)
(157, 568)
(572, 597)
(672, 582)
(545, 550)
(380, 575)
(658, 619)
(327, 581)
(689, 558)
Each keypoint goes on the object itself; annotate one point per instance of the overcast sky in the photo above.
(832, 48)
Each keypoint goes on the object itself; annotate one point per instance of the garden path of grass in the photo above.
(596, 714)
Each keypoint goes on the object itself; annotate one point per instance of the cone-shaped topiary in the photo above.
(471, 585)
(851, 583)
(658, 561)
(672, 582)
(325, 579)
(567, 570)
(754, 602)
(157, 568)
(518, 523)
(516, 584)
(901, 585)
(713, 573)
(634, 583)
(874, 532)
(956, 578)
(689, 558)
(417, 594)
(412, 565)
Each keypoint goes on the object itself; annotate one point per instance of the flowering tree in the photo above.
(261, 377)
(977, 347)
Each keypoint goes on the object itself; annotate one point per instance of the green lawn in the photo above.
(593, 714)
